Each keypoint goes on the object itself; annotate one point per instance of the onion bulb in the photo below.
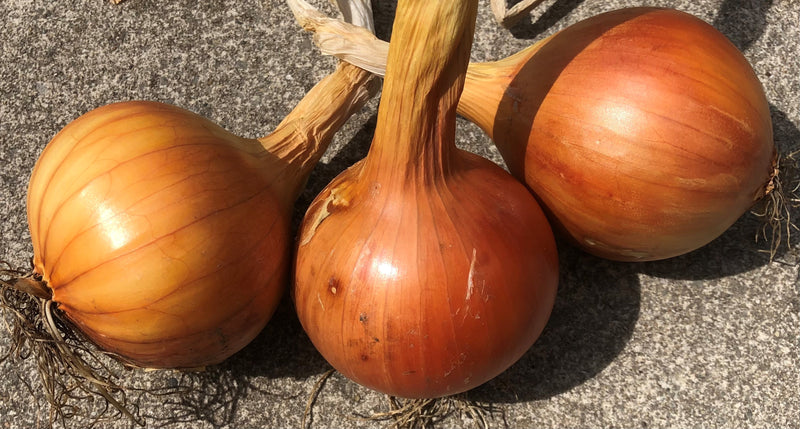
(424, 270)
(644, 132)
(164, 238)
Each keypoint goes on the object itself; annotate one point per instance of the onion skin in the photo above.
(423, 270)
(644, 132)
(166, 239)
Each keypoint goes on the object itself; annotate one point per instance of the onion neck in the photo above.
(304, 135)
(426, 67)
(496, 96)
(484, 88)
(490, 84)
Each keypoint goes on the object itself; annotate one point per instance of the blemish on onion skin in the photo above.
(333, 285)
(374, 190)
(363, 318)
(455, 364)
(320, 302)
(335, 201)
(223, 339)
(471, 276)
(636, 254)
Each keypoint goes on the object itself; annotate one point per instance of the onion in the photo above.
(644, 132)
(166, 239)
(424, 270)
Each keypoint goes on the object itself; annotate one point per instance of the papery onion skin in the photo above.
(156, 231)
(644, 132)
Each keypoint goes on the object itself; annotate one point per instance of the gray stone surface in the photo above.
(709, 339)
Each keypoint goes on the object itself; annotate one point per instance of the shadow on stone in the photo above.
(536, 23)
(742, 21)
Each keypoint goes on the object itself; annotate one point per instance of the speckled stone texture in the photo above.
(709, 339)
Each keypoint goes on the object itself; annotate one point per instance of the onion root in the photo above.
(780, 200)
(69, 367)
(308, 416)
(415, 413)
(426, 413)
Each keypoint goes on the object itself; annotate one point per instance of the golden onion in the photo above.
(166, 239)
